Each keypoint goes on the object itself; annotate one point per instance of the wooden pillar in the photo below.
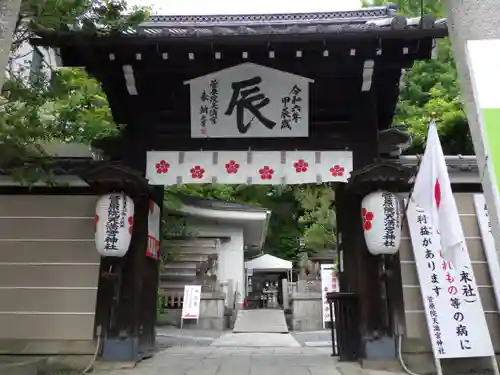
(128, 286)
(361, 269)
(149, 293)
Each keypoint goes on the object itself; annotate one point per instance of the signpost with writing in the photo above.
(191, 303)
(453, 308)
(249, 100)
(329, 284)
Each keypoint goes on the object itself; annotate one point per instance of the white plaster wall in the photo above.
(231, 253)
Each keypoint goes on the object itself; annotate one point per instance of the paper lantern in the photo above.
(381, 222)
(114, 222)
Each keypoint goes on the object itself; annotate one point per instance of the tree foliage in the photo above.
(432, 91)
(38, 103)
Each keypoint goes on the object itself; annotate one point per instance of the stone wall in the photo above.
(49, 273)
(306, 311)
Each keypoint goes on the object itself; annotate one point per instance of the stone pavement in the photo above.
(211, 360)
(241, 354)
(256, 340)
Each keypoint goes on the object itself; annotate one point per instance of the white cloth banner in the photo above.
(329, 283)
(453, 308)
(191, 302)
(242, 167)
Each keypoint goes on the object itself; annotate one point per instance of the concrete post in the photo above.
(9, 12)
(286, 297)
(475, 20)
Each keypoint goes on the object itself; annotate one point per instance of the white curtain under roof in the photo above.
(268, 262)
(225, 7)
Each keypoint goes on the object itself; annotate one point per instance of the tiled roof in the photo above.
(353, 21)
(462, 169)
(217, 204)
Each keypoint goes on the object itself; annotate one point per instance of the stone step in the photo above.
(178, 277)
(196, 258)
(192, 250)
(196, 242)
(175, 286)
(179, 264)
(193, 246)
(179, 272)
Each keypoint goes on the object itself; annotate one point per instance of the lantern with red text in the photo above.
(381, 220)
(114, 221)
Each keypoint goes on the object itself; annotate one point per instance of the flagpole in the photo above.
(437, 361)
(419, 161)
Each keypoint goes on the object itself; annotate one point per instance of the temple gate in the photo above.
(257, 99)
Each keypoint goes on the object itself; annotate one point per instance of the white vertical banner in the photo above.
(329, 283)
(484, 223)
(454, 312)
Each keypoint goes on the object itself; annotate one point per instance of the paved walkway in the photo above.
(213, 360)
(260, 321)
(256, 340)
(196, 352)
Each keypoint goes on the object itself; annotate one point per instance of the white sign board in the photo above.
(191, 302)
(249, 101)
(329, 284)
(454, 313)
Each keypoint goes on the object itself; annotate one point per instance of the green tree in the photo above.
(64, 104)
(318, 219)
(432, 91)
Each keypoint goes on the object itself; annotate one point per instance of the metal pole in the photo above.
(439, 369)
(494, 365)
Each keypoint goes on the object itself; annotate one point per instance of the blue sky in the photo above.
(207, 7)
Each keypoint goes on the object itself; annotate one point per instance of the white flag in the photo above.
(432, 192)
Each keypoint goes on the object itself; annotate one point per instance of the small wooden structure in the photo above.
(346, 65)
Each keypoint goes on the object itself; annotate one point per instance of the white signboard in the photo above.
(454, 313)
(153, 247)
(191, 302)
(328, 284)
(249, 101)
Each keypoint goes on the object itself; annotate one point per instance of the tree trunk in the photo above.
(9, 12)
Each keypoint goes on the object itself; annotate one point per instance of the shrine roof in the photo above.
(220, 205)
(373, 19)
(462, 169)
(372, 22)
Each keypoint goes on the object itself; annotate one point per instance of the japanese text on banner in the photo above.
(455, 316)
